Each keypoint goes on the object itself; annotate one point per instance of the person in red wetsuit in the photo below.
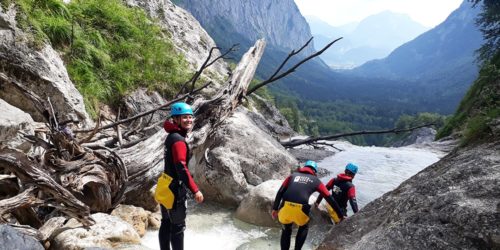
(176, 158)
(343, 190)
(292, 201)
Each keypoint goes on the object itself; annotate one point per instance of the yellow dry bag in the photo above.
(163, 194)
(333, 214)
(292, 212)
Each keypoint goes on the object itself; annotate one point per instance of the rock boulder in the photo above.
(40, 70)
(452, 204)
(10, 238)
(241, 156)
(108, 232)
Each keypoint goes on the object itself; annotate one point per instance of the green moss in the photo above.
(109, 49)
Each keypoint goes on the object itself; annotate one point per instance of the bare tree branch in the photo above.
(293, 143)
(146, 112)
(290, 56)
(207, 63)
(293, 68)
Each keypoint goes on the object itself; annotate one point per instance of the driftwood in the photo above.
(76, 177)
(297, 142)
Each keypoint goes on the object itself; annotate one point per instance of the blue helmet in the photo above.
(312, 164)
(352, 168)
(180, 108)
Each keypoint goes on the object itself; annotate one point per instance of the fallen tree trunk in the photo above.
(297, 142)
(144, 161)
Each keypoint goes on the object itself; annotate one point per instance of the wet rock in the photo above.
(452, 204)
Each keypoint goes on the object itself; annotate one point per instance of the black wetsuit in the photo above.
(342, 191)
(173, 220)
(297, 188)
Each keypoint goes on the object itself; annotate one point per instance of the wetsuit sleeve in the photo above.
(324, 192)
(329, 186)
(179, 156)
(280, 193)
(351, 195)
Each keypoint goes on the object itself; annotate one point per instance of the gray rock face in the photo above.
(274, 20)
(142, 100)
(241, 156)
(268, 118)
(187, 34)
(13, 121)
(419, 136)
(257, 205)
(452, 204)
(41, 71)
(14, 240)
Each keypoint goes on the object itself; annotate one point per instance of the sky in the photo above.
(339, 12)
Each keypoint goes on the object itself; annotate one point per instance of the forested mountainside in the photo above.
(316, 100)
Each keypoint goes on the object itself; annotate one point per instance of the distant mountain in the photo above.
(322, 28)
(440, 61)
(374, 37)
(439, 51)
(278, 21)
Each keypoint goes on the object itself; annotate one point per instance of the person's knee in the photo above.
(178, 228)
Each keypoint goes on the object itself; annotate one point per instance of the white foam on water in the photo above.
(381, 169)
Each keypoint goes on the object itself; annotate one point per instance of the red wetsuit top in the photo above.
(176, 156)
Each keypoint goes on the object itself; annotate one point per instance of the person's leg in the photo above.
(177, 236)
(286, 235)
(178, 216)
(301, 236)
(164, 234)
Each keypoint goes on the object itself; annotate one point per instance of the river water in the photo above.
(380, 170)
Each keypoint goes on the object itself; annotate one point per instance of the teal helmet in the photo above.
(312, 164)
(352, 168)
(180, 108)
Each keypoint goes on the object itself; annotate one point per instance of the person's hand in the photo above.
(198, 197)
(274, 214)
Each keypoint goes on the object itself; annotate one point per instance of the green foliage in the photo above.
(479, 107)
(408, 121)
(489, 23)
(109, 49)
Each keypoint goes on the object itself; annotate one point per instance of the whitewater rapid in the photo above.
(380, 170)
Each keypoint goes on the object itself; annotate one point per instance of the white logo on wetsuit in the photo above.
(336, 190)
(302, 179)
